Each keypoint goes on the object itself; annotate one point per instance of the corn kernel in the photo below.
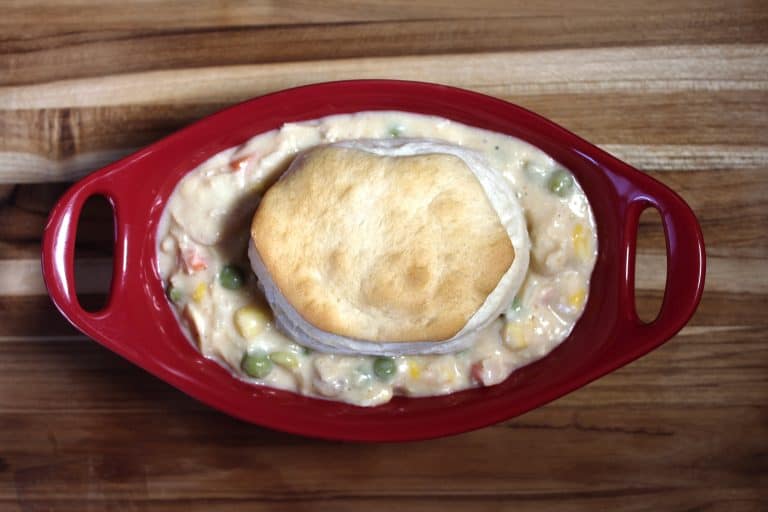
(448, 376)
(414, 369)
(287, 360)
(514, 336)
(576, 299)
(199, 292)
(250, 321)
(580, 242)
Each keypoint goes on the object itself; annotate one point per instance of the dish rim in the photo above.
(137, 292)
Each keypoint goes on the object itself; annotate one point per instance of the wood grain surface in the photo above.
(678, 89)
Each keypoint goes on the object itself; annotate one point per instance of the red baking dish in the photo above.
(138, 323)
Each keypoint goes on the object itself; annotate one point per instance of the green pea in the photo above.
(256, 365)
(384, 367)
(560, 183)
(174, 294)
(396, 131)
(231, 277)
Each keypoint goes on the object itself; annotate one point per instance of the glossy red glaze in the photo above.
(138, 323)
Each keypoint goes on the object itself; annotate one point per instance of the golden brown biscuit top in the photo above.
(381, 248)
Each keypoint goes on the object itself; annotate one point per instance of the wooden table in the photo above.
(679, 89)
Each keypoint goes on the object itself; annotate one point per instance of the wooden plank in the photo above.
(724, 274)
(740, 67)
(702, 367)
(92, 132)
(21, 19)
(23, 215)
(690, 157)
(44, 140)
(686, 374)
(85, 52)
(659, 408)
(20, 315)
(30, 318)
(17, 167)
(631, 500)
(689, 130)
(22, 219)
(24, 277)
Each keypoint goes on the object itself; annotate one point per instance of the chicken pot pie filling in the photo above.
(399, 254)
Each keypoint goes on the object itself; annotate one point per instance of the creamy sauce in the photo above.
(205, 228)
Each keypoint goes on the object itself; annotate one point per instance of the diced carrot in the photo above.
(194, 261)
(241, 163)
(476, 370)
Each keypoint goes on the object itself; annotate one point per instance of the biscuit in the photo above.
(401, 249)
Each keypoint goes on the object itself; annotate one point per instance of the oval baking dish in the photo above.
(138, 322)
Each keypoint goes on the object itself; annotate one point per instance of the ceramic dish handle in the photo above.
(685, 257)
(59, 252)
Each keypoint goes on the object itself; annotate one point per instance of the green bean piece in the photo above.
(256, 365)
(231, 277)
(384, 367)
(560, 183)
